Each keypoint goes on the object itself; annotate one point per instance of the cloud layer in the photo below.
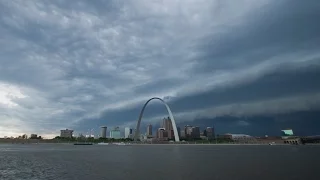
(87, 63)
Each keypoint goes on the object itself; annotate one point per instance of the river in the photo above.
(143, 162)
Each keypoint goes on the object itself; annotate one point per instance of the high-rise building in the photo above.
(127, 132)
(115, 133)
(149, 130)
(191, 132)
(210, 133)
(188, 131)
(66, 133)
(162, 134)
(182, 134)
(167, 125)
(103, 132)
(195, 132)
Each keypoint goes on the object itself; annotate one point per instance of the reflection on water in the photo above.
(158, 162)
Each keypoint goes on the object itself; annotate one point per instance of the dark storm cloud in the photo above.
(86, 63)
(266, 33)
(278, 28)
(265, 124)
(275, 85)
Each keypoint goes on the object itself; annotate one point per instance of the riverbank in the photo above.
(172, 144)
(54, 141)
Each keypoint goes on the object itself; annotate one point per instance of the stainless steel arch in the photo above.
(175, 131)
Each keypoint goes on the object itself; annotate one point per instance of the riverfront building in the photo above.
(149, 130)
(167, 125)
(210, 133)
(67, 133)
(191, 132)
(127, 132)
(162, 134)
(103, 132)
(115, 133)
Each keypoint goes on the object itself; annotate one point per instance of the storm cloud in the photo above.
(89, 63)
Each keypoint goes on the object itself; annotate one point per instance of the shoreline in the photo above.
(155, 144)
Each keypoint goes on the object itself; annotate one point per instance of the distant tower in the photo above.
(127, 132)
(103, 131)
(167, 125)
(66, 133)
(210, 133)
(115, 133)
(162, 134)
(149, 130)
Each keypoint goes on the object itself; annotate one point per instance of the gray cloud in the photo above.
(81, 64)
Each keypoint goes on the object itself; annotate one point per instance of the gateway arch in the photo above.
(175, 131)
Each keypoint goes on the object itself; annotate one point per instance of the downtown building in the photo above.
(209, 133)
(115, 133)
(162, 134)
(191, 132)
(128, 133)
(67, 133)
(149, 130)
(167, 125)
(103, 132)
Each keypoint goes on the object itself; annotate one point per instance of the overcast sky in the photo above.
(82, 64)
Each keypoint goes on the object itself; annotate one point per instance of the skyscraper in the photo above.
(188, 131)
(195, 132)
(192, 132)
(115, 133)
(162, 134)
(167, 125)
(149, 130)
(210, 132)
(127, 132)
(103, 132)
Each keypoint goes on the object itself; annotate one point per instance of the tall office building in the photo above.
(167, 125)
(195, 132)
(182, 134)
(66, 133)
(127, 132)
(149, 130)
(192, 132)
(162, 134)
(115, 133)
(210, 133)
(188, 131)
(103, 132)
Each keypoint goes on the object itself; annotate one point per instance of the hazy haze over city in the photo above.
(242, 65)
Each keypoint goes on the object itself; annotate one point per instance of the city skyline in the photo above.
(209, 131)
(221, 129)
(249, 67)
